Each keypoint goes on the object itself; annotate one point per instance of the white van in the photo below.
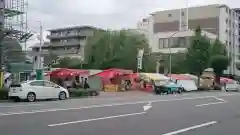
(233, 86)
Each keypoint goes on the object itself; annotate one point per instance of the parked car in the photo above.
(166, 86)
(37, 89)
(232, 86)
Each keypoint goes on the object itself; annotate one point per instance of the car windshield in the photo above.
(160, 82)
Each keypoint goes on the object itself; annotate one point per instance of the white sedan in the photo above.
(37, 89)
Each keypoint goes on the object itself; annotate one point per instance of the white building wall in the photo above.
(228, 34)
(163, 35)
(222, 11)
(146, 26)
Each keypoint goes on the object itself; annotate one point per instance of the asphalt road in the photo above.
(210, 113)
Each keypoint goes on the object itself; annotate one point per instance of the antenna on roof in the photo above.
(187, 15)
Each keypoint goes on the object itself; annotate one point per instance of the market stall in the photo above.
(62, 75)
(148, 78)
(185, 81)
(112, 79)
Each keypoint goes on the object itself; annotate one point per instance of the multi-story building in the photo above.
(216, 19)
(65, 42)
(237, 10)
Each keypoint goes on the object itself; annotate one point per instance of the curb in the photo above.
(4, 101)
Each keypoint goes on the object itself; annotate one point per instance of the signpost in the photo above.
(139, 59)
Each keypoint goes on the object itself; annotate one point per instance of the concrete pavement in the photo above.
(188, 114)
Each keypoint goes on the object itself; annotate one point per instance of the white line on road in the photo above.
(191, 128)
(214, 103)
(220, 99)
(98, 106)
(95, 119)
(106, 105)
(11, 106)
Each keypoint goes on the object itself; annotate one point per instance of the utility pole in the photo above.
(39, 70)
(2, 35)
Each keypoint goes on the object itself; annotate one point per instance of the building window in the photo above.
(226, 21)
(165, 43)
(226, 10)
(182, 41)
(174, 42)
(169, 15)
(182, 13)
(160, 45)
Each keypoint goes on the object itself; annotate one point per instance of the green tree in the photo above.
(219, 60)
(68, 62)
(117, 49)
(197, 57)
(48, 60)
(97, 49)
(219, 63)
(218, 48)
(12, 51)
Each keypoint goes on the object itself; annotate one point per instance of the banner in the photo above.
(139, 58)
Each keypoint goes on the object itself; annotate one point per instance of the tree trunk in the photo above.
(217, 81)
(198, 81)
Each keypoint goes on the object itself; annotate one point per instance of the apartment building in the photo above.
(218, 20)
(65, 42)
(237, 10)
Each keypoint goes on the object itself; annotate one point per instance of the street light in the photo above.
(39, 70)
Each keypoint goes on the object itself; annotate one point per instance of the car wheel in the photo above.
(62, 96)
(93, 93)
(31, 97)
(16, 100)
(169, 91)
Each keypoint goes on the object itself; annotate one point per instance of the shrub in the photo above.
(3, 94)
(78, 93)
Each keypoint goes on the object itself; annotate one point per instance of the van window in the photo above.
(205, 77)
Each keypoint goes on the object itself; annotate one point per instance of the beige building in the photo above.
(218, 20)
(64, 42)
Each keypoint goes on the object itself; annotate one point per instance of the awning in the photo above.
(154, 76)
(113, 72)
(64, 73)
(179, 77)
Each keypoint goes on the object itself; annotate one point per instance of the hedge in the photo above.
(78, 93)
(3, 94)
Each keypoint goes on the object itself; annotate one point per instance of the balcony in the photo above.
(70, 35)
(67, 43)
(74, 43)
(59, 52)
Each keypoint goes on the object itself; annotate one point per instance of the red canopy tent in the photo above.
(179, 77)
(65, 73)
(225, 80)
(109, 74)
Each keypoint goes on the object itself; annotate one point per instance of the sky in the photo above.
(108, 14)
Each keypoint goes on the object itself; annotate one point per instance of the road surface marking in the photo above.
(25, 105)
(147, 107)
(220, 99)
(96, 119)
(191, 128)
(106, 105)
(214, 103)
